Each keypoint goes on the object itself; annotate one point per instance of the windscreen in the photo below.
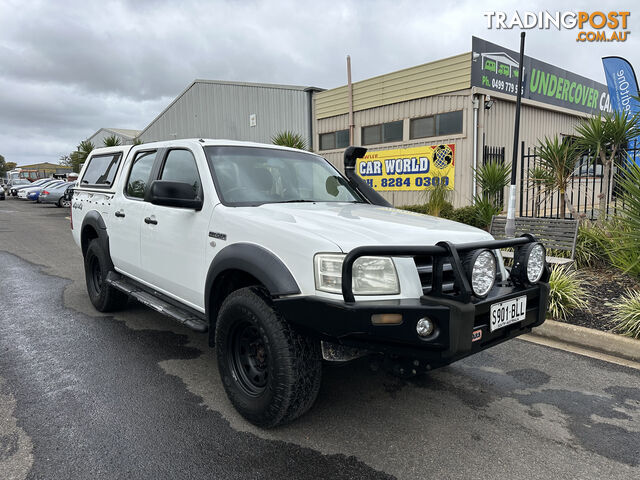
(254, 176)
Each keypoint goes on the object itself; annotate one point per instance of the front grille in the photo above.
(424, 264)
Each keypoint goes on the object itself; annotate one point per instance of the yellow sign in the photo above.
(408, 168)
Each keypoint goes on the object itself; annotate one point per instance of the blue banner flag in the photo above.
(623, 87)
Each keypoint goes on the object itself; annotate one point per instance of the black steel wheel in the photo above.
(270, 372)
(97, 265)
(248, 358)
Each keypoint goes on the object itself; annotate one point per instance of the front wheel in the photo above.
(270, 372)
(96, 267)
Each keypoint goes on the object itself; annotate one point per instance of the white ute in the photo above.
(286, 263)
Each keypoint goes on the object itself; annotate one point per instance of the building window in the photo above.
(382, 133)
(449, 123)
(331, 140)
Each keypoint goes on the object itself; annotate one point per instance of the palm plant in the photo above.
(605, 137)
(111, 141)
(492, 178)
(289, 139)
(558, 158)
(436, 196)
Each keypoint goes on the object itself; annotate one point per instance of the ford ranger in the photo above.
(287, 263)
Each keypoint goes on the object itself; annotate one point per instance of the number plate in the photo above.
(508, 312)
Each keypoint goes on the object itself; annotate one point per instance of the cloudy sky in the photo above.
(68, 67)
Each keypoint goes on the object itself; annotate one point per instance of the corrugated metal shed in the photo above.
(434, 78)
(235, 111)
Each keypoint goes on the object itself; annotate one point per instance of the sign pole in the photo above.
(510, 226)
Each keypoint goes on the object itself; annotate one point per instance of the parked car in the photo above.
(24, 192)
(286, 262)
(35, 194)
(15, 185)
(2, 194)
(55, 195)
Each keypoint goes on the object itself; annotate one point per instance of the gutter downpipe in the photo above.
(476, 105)
(350, 100)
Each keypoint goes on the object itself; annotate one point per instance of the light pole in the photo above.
(510, 226)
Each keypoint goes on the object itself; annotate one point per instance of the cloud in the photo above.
(69, 68)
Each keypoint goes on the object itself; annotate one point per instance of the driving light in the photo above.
(481, 268)
(371, 275)
(425, 327)
(529, 264)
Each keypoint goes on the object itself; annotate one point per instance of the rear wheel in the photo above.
(97, 265)
(270, 372)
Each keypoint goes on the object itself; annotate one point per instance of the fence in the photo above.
(585, 188)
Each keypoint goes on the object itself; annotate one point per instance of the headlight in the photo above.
(371, 275)
(481, 267)
(529, 264)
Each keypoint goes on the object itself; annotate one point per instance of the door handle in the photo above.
(150, 221)
(120, 214)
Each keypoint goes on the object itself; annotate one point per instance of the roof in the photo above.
(42, 165)
(123, 132)
(236, 84)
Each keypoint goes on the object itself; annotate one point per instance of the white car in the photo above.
(287, 262)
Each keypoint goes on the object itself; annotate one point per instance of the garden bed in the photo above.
(603, 285)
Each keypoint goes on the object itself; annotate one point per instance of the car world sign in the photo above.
(408, 169)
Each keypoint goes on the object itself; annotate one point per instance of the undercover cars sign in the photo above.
(408, 168)
(496, 68)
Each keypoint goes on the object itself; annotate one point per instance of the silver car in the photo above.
(55, 195)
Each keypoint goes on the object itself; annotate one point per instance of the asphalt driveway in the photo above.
(133, 395)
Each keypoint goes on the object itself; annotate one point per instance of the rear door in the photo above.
(174, 240)
(128, 208)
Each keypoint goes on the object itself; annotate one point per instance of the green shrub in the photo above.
(566, 293)
(593, 245)
(467, 215)
(625, 247)
(446, 209)
(627, 311)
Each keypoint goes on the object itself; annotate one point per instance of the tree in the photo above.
(3, 166)
(137, 141)
(289, 139)
(558, 158)
(112, 141)
(605, 137)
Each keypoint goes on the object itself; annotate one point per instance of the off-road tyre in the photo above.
(97, 265)
(287, 366)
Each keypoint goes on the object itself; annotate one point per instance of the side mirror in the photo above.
(173, 194)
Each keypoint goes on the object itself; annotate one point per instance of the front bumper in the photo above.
(457, 323)
(461, 319)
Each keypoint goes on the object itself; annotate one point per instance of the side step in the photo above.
(150, 300)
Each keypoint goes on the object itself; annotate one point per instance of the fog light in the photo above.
(424, 327)
(386, 319)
